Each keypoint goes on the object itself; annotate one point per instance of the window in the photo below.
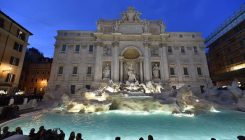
(182, 49)
(10, 78)
(180, 35)
(199, 71)
(193, 36)
(18, 47)
(231, 61)
(60, 71)
(73, 89)
(88, 87)
(63, 49)
(172, 72)
(195, 49)
(185, 71)
(74, 71)
(170, 49)
(89, 71)
(202, 88)
(242, 43)
(1, 22)
(91, 48)
(20, 35)
(14, 61)
(57, 87)
(77, 48)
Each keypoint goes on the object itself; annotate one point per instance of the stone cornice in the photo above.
(130, 37)
(115, 43)
(99, 43)
(162, 44)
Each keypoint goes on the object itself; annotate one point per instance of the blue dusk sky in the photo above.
(44, 17)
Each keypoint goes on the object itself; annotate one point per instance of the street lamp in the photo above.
(43, 84)
(5, 69)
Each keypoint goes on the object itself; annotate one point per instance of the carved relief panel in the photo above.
(106, 51)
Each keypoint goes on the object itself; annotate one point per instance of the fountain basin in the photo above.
(130, 125)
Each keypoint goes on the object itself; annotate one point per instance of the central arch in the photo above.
(131, 52)
(131, 62)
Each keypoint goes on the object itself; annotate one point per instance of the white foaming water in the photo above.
(127, 112)
(212, 109)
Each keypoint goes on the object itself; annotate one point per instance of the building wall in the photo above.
(226, 56)
(37, 77)
(116, 36)
(9, 35)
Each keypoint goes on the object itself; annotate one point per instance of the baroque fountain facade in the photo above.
(132, 64)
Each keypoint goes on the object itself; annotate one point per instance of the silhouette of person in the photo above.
(150, 137)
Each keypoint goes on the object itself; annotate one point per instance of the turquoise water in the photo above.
(130, 126)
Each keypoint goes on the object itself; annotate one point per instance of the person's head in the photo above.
(213, 139)
(79, 136)
(5, 129)
(141, 138)
(32, 130)
(150, 137)
(117, 138)
(241, 137)
(72, 135)
(18, 130)
(41, 128)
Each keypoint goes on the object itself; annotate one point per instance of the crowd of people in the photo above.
(57, 134)
(41, 134)
(150, 137)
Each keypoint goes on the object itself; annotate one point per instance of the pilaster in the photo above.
(146, 62)
(115, 61)
(164, 62)
(98, 63)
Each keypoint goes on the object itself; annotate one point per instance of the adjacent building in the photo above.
(226, 50)
(13, 43)
(128, 49)
(35, 73)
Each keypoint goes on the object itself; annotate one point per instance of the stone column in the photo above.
(121, 70)
(98, 63)
(141, 71)
(192, 69)
(179, 68)
(164, 63)
(146, 62)
(115, 61)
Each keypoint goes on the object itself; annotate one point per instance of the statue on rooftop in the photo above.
(131, 15)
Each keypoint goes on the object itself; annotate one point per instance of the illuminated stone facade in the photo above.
(128, 49)
(13, 43)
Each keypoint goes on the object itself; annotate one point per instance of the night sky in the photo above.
(44, 17)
